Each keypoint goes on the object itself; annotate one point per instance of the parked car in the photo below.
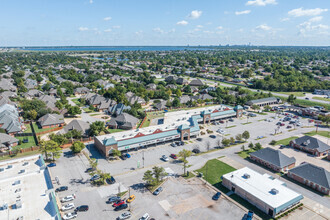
(282, 146)
(216, 196)
(158, 190)
(173, 145)
(124, 215)
(250, 215)
(123, 157)
(95, 177)
(146, 216)
(199, 139)
(282, 124)
(82, 208)
(91, 169)
(252, 115)
(71, 215)
(113, 199)
(68, 198)
(67, 207)
(173, 156)
(61, 189)
(288, 126)
(196, 151)
(121, 207)
(110, 180)
(118, 203)
(130, 199)
(127, 155)
(307, 98)
(164, 158)
(222, 122)
(279, 123)
(213, 136)
(231, 119)
(51, 165)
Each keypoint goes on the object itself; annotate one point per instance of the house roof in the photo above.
(76, 125)
(118, 108)
(264, 100)
(274, 157)
(51, 119)
(312, 143)
(313, 173)
(196, 82)
(7, 139)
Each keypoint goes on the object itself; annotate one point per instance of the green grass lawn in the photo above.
(246, 123)
(322, 133)
(298, 94)
(191, 175)
(311, 103)
(31, 143)
(285, 141)
(244, 154)
(37, 129)
(10, 157)
(215, 169)
(115, 130)
(77, 102)
(95, 114)
(231, 126)
(321, 98)
(28, 128)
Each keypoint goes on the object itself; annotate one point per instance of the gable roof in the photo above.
(196, 82)
(274, 157)
(312, 143)
(313, 173)
(78, 125)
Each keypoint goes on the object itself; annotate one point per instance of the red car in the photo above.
(173, 156)
(118, 203)
(282, 124)
(222, 122)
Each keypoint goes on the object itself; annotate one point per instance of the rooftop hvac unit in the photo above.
(246, 176)
(274, 191)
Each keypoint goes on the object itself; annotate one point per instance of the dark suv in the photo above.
(61, 189)
(82, 208)
(110, 180)
(121, 207)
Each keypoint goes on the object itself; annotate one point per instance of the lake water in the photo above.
(118, 48)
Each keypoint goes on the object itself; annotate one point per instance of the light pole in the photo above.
(143, 158)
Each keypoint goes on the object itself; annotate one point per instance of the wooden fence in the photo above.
(48, 131)
(29, 149)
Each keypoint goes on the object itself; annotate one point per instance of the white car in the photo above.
(221, 131)
(68, 198)
(124, 215)
(146, 216)
(165, 158)
(71, 215)
(68, 207)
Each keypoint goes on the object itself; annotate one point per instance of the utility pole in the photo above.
(143, 157)
(129, 195)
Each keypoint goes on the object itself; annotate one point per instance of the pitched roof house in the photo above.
(311, 145)
(78, 125)
(7, 141)
(196, 82)
(51, 120)
(313, 176)
(273, 159)
(123, 121)
(118, 109)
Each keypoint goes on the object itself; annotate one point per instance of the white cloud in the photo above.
(285, 19)
(316, 19)
(108, 30)
(219, 28)
(116, 27)
(158, 30)
(298, 12)
(199, 26)
(83, 29)
(107, 18)
(139, 33)
(263, 27)
(183, 23)
(91, 1)
(242, 12)
(195, 14)
(261, 2)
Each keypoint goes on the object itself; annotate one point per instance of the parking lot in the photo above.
(182, 199)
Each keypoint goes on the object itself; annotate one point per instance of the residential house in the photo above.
(81, 91)
(78, 125)
(132, 98)
(49, 101)
(171, 86)
(118, 109)
(105, 105)
(313, 176)
(51, 120)
(273, 159)
(31, 83)
(184, 99)
(182, 81)
(123, 121)
(170, 79)
(33, 93)
(160, 105)
(7, 142)
(152, 86)
(196, 82)
(7, 85)
(9, 119)
(311, 145)
(203, 97)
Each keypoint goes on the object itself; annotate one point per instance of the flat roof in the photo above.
(261, 187)
(27, 188)
(172, 120)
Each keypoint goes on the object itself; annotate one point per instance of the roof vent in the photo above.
(246, 176)
(274, 191)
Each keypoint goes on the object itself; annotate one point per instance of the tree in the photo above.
(97, 127)
(176, 102)
(74, 110)
(77, 147)
(116, 153)
(184, 154)
(225, 142)
(93, 163)
(257, 146)
(159, 173)
(246, 135)
(239, 137)
(178, 93)
(255, 107)
(250, 145)
(325, 119)
(33, 114)
(243, 148)
(54, 150)
(58, 138)
(148, 177)
(44, 149)
(291, 99)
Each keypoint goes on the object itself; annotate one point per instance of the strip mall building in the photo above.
(178, 125)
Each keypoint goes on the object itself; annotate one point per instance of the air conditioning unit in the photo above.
(246, 176)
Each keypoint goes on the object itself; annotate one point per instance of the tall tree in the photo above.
(246, 135)
(291, 99)
(184, 154)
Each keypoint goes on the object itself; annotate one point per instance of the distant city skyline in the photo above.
(168, 23)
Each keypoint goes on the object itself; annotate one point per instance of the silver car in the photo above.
(124, 215)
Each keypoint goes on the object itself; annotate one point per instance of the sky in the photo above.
(164, 22)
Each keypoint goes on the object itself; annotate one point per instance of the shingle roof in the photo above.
(7, 139)
(196, 82)
(264, 100)
(313, 173)
(51, 119)
(312, 143)
(76, 125)
(274, 157)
